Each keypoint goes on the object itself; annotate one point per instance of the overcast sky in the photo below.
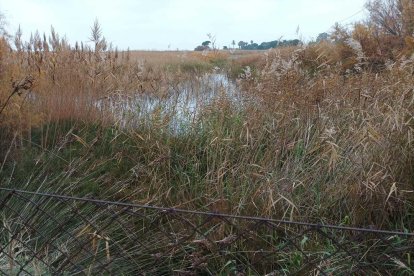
(181, 24)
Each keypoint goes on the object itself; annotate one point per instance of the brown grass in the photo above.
(324, 132)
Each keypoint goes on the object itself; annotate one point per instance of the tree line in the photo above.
(242, 45)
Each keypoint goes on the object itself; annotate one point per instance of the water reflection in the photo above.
(180, 106)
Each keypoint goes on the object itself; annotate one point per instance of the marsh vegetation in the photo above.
(319, 133)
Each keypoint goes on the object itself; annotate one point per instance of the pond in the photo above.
(181, 105)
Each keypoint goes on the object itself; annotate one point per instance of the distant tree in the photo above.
(233, 43)
(225, 48)
(293, 42)
(252, 46)
(322, 37)
(263, 46)
(273, 44)
(268, 45)
(201, 48)
(242, 44)
(206, 43)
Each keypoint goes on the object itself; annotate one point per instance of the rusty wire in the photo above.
(43, 233)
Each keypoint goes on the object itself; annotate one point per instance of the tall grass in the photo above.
(316, 134)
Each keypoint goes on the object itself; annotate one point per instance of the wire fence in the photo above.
(47, 234)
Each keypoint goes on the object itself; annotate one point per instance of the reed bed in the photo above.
(318, 133)
(312, 133)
